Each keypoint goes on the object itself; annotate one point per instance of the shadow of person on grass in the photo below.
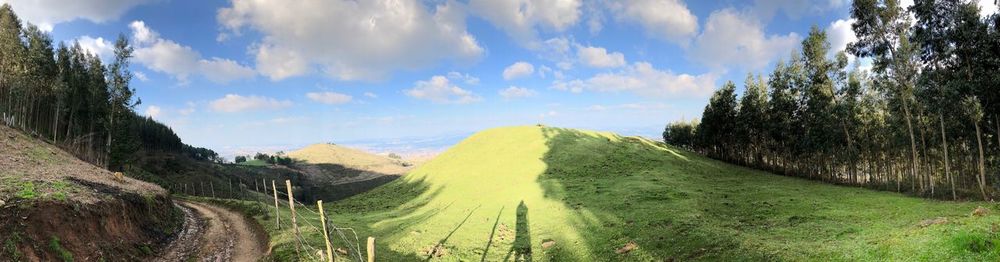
(522, 241)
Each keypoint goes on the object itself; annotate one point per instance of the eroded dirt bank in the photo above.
(127, 227)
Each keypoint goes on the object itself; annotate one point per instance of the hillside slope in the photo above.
(54, 206)
(319, 154)
(335, 172)
(561, 194)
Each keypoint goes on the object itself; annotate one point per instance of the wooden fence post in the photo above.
(277, 215)
(371, 249)
(291, 206)
(326, 235)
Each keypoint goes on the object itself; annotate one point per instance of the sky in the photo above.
(244, 75)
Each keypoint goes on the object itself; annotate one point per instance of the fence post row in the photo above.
(291, 206)
(277, 214)
(326, 235)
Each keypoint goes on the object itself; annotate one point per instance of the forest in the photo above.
(924, 119)
(69, 97)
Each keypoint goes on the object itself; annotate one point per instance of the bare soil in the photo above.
(213, 233)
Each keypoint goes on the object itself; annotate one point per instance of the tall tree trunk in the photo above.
(982, 164)
(947, 165)
(913, 141)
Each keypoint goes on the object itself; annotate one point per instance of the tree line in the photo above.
(69, 97)
(924, 119)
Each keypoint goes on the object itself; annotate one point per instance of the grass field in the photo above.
(549, 194)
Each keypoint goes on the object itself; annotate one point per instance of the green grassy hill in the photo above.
(559, 194)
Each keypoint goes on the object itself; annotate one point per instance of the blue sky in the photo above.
(243, 75)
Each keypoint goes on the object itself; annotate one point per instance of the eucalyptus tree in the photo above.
(883, 28)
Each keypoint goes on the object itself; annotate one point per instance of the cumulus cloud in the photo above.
(370, 95)
(732, 38)
(440, 90)
(599, 57)
(153, 111)
(330, 98)
(522, 19)
(665, 19)
(468, 79)
(99, 46)
(47, 13)
(233, 103)
(181, 62)
(350, 40)
(840, 34)
(516, 92)
(518, 69)
(643, 79)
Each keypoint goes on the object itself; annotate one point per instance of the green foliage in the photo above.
(27, 191)
(71, 98)
(10, 245)
(681, 134)
(56, 247)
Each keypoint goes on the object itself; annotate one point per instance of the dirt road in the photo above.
(212, 233)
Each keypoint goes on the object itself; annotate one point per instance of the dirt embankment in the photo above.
(125, 228)
(55, 207)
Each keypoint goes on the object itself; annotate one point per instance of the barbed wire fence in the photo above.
(332, 233)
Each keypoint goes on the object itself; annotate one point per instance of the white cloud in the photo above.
(731, 38)
(98, 46)
(522, 19)
(516, 92)
(518, 69)
(599, 57)
(468, 79)
(169, 57)
(987, 7)
(153, 111)
(141, 76)
(840, 34)
(665, 19)
(232, 103)
(643, 79)
(47, 13)
(224, 70)
(370, 95)
(351, 40)
(330, 98)
(440, 90)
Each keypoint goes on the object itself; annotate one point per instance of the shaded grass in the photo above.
(592, 193)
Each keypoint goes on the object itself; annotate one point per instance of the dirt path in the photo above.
(213, 233)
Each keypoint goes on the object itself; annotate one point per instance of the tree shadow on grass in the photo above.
(493, 232)
(624, 189)
(440, 244)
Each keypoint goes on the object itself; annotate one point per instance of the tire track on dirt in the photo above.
(212, 233)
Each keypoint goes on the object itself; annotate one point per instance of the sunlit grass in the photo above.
(587, 194)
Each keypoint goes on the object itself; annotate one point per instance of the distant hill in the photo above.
(335, 172)
(552, 194)
(350, 158)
